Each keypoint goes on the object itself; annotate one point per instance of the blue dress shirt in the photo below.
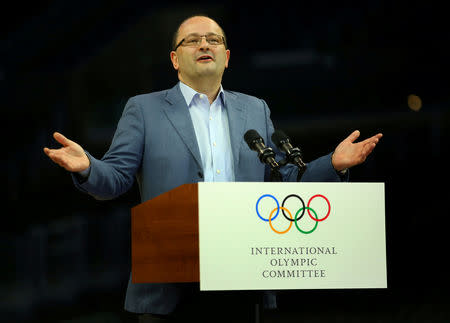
(212, 132)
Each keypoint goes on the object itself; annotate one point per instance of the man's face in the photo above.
(204, 60)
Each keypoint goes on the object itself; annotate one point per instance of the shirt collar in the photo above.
(189, 93)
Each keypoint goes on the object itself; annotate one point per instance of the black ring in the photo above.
(282, 204)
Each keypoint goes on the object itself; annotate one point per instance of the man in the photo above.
(192, 132)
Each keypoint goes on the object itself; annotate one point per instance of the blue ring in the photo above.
(276, 201)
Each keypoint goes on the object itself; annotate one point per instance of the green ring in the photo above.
(315, 214)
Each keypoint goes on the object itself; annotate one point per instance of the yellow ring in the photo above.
(270, 220)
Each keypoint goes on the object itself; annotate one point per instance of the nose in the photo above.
(203, 43)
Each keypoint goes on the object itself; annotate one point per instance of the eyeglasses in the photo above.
(196, 40)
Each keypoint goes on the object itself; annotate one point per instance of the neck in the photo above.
(206, 86)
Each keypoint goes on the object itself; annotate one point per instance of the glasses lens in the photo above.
(214, 39)
(192, 40)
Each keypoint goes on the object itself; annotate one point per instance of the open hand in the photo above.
(348, 153)
(71, 156)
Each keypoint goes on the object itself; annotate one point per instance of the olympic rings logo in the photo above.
(298, 215)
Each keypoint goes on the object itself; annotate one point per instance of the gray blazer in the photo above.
(155, 143)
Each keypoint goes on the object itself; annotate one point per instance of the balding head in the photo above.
(178, 35)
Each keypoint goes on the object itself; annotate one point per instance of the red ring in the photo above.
(329, 207)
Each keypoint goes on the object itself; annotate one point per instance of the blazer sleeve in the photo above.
(114, 174)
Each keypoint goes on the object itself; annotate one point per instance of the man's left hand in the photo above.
(348, 153)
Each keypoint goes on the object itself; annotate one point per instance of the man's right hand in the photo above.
(71, 156)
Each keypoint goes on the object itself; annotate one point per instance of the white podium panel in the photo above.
(330, 235)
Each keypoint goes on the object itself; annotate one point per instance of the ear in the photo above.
(174, 59)
(227, 52)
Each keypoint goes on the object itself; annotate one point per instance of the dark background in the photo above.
(324, 70)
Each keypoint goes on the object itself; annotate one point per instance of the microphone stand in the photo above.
(275, 175)
(290, 160)
(301, 171)
(267, 156)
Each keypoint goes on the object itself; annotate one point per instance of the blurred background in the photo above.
(325, 68)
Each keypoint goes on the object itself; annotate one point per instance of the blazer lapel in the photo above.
(178, 113)
(237, 119)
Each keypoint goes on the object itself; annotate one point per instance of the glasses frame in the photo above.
(201, 36)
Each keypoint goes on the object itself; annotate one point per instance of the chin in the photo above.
(209, 71)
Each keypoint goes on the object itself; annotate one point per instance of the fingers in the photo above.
(368, 149)
(369, 144)
(56, 156)
(61, 139)
(376, 137)
(353, 136)
(49, 152)
(373, 139)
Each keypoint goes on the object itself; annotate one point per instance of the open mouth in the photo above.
(205, 58)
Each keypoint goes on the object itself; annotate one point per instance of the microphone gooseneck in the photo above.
(266, 154)
(256, 143)
(293, 154)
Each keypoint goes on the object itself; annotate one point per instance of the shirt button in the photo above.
(218, 171)
(210, 118)
(214, 144)
(202, 96)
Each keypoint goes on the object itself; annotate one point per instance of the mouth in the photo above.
(205, 58)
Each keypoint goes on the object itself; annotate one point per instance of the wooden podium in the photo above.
(164, 238)
(232, 231)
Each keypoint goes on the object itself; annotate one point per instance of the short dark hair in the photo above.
(175, 35)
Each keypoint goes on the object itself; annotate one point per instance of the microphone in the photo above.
(256, 143)
(293, 154)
